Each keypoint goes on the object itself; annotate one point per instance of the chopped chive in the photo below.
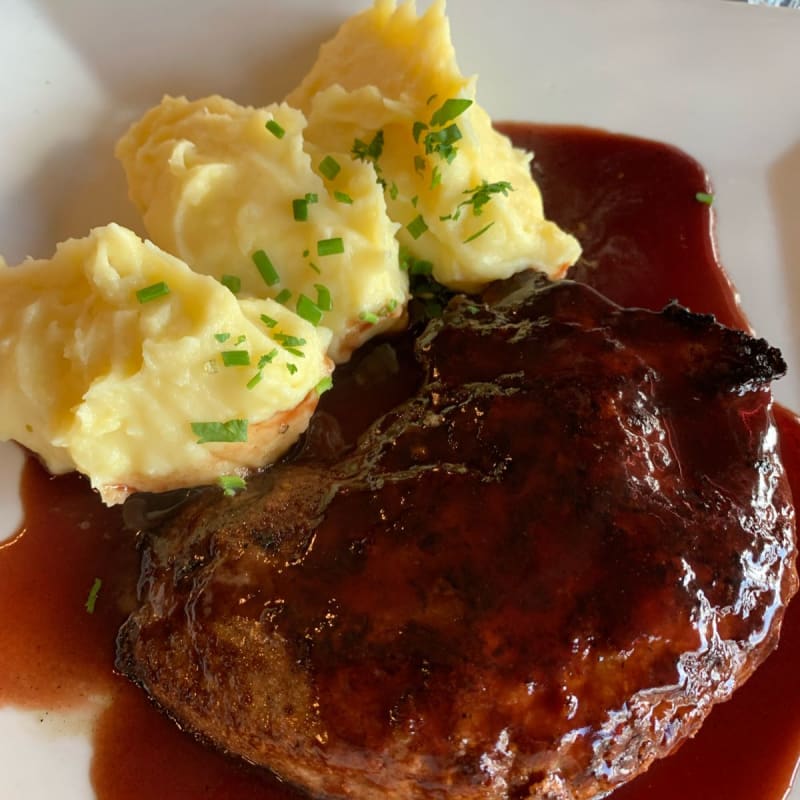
(431, 99)
(391, 305)
(230, 484)
(306, 253)
(325, 384)
(283, 296)
(300, 209)
(329, 167)
(393, 191)
(436, 177)
(234, 430)
(343, 197)
(368, 316)
(295, 352)
(291, 367)
(323, 297)
(255, 380)
(418, 129)
(449, 110)
(312, 197)
(314, 267)
(268, 321)
(231, 282)
(152, 292)
(275, 129)
(286, 340)
(267, 358)
(473, 309)
(235, 358)
(330, 247)
(415, 200)
(704, 197)
(240, 339)
(420, 164)
(222, 337)
(265, 268)
(91, 600)
(417, 227)
(308, 310)
(478, 233)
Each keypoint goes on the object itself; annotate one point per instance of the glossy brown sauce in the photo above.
(646, 240)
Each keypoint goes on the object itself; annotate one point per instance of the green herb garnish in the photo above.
(300, 209)
(704, 197)
(324, 385)
(308, 310)
(478, 233)
(287, 340)
(91, 600)
(234, 430)
(268, 321)
(291, 367)
(230, 484)
(267, 358)
(232, 283)
(265, 268)
(343, 197)
(275, 129)
(449, 110)
(222, 337)
(152, 292)
(368, 152)
(479, 196)
(330, 247)
(369, 317)
(324, 301)
(235, 358)
(283, 296)
(443, 142)
(417, 227)
(329, 167)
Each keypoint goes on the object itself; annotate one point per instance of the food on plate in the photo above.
(530, 579)
(463, 194)
(231, 191)
(119, 361)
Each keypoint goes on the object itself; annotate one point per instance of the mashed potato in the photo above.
(217, 183)
(463, 195)
(149, 371)
(113, 359)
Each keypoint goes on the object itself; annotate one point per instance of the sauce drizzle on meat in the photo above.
(605, 189)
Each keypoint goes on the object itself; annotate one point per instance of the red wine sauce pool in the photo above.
(646, 240)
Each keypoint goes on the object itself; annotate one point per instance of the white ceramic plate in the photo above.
(718, 79)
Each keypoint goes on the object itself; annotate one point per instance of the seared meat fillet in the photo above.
(530, 579)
